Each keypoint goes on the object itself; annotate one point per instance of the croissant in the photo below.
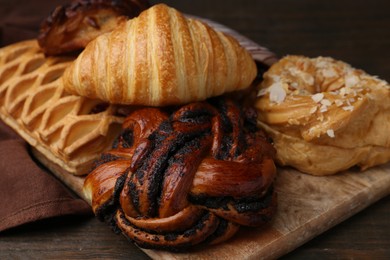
(160, 58)
(324, 115)
(173, 181)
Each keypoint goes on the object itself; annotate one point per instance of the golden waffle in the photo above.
(70, 131)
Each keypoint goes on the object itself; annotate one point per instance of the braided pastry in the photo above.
(325, 116)
(160, 58)
(192, 177)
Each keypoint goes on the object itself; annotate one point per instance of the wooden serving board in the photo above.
(307, 205)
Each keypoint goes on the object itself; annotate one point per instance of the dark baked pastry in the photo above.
(72, 26)
(194, 176)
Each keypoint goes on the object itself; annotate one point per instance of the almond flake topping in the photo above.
(338, 102)
(313, 110)
(351, 80)
(262, 92)
(323, 108)
(348, 108)
(330, 133)
(326, 102)
(329, 73)
(342, 92)
(317, 97)
(277, 93)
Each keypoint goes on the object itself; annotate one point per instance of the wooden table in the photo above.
(354, 31)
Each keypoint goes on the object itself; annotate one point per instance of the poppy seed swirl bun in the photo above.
(196, 176)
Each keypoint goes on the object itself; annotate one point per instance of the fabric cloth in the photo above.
(27, 191)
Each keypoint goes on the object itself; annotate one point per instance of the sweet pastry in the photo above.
(70, 131)
(175, 180)
(67, 131)
(72, 26)
(325, 116)
(172, 179)
(160, 58)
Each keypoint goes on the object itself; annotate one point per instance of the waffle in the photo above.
(70, 131)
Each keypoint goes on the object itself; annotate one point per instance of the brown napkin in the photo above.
(27, 192)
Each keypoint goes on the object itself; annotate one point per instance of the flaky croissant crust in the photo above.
(324, 115)
(160, 58)
(192, 177)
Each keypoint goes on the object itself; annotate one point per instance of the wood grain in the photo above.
(307, 206)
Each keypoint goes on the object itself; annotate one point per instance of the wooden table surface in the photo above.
(357, 32)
